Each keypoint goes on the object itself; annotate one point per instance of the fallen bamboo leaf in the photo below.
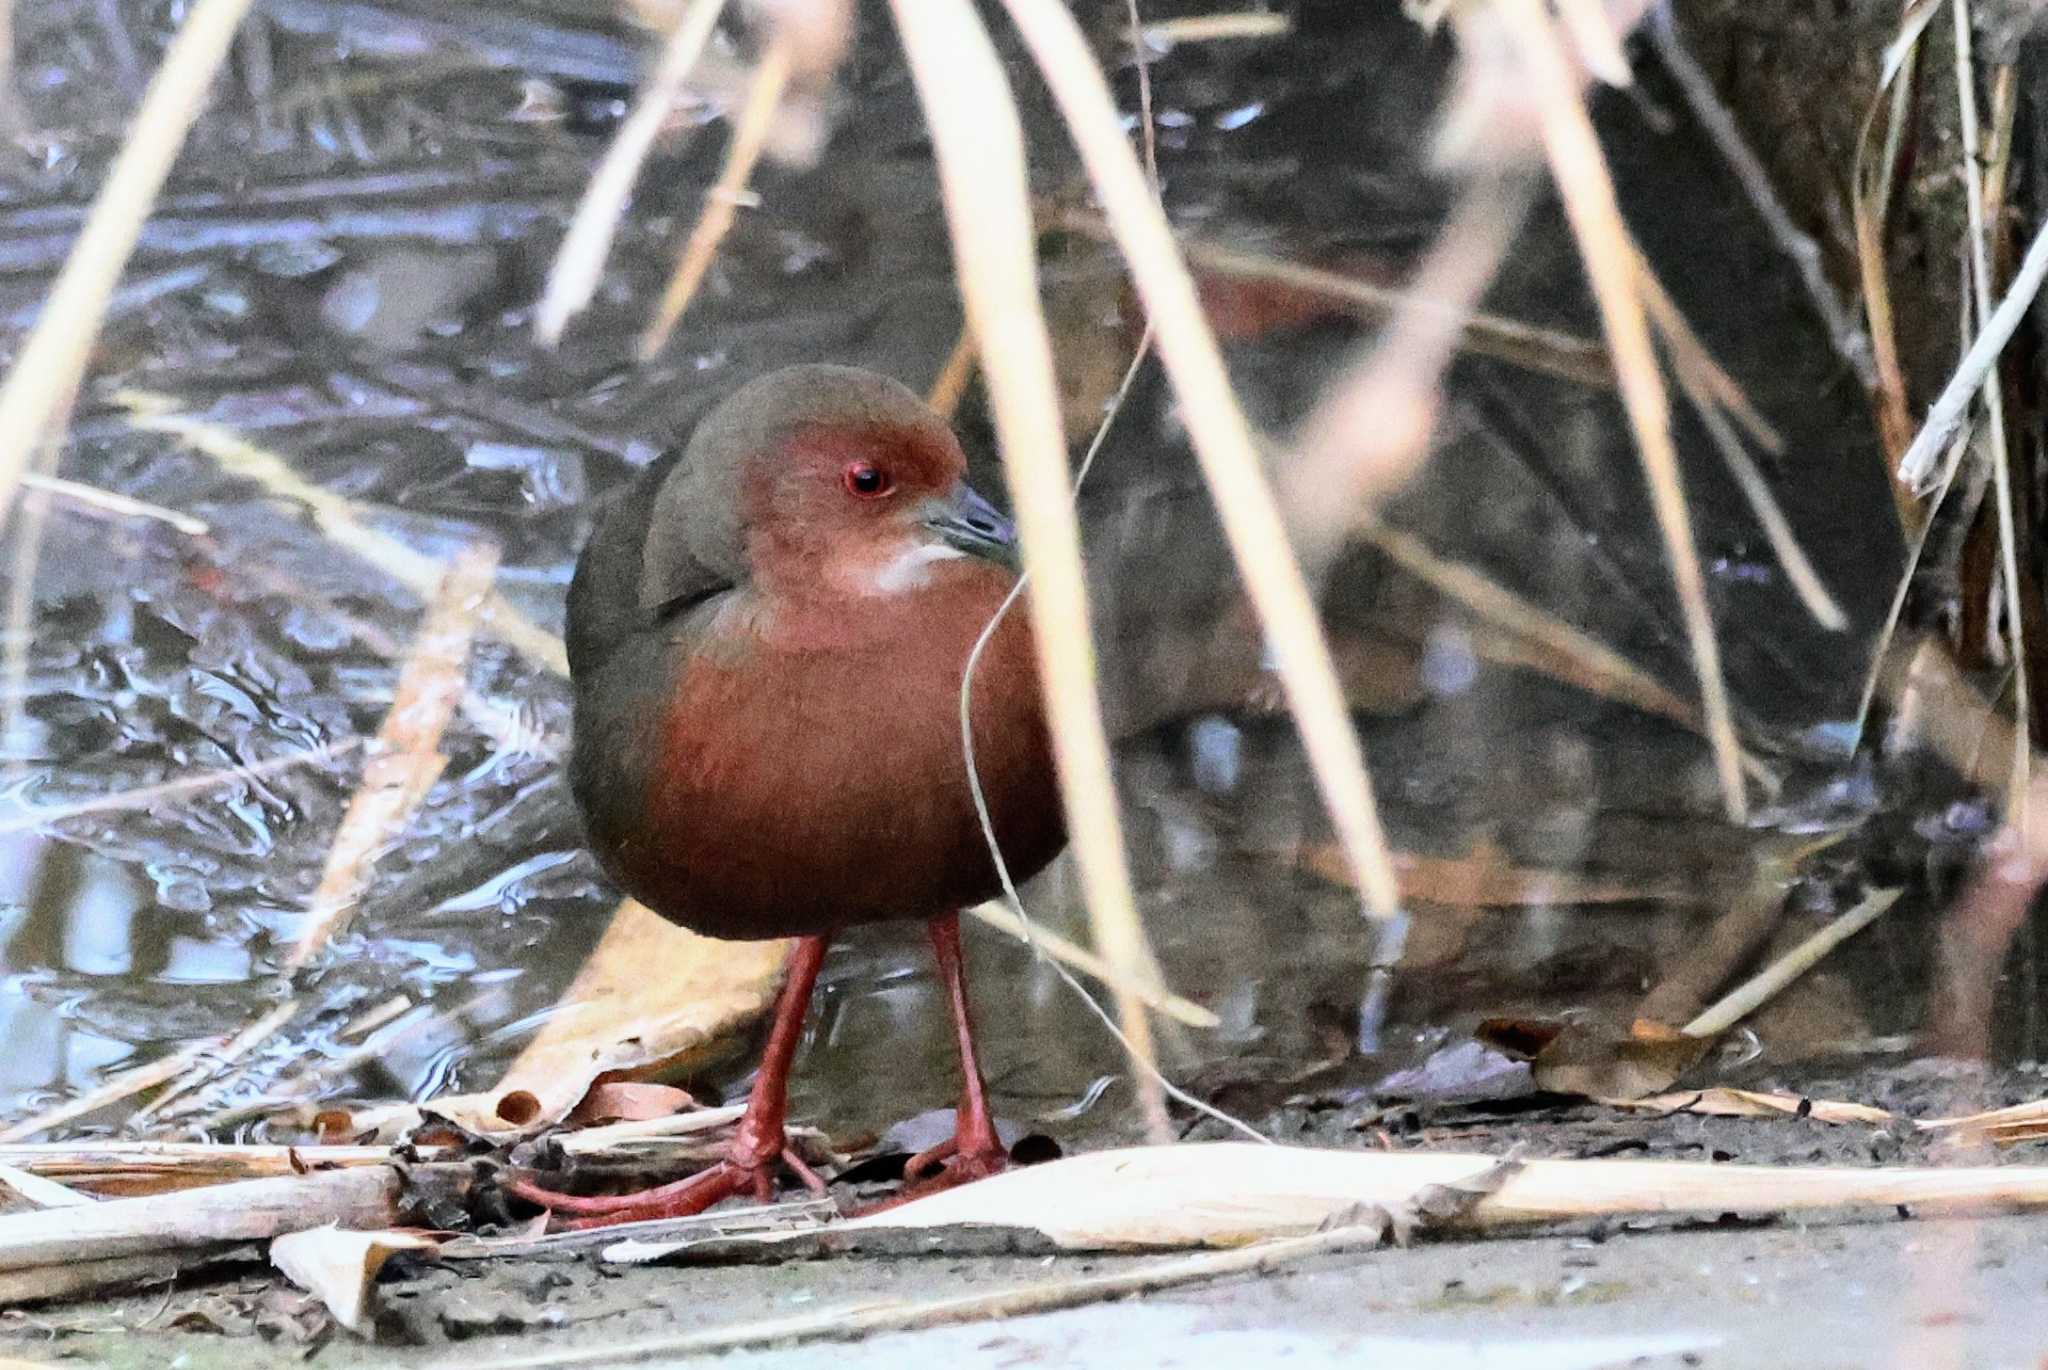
(651, 995)
(1228, 1193)
(341, 1267)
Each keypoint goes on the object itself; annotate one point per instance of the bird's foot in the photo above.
(945, 1166)
(741, 1172)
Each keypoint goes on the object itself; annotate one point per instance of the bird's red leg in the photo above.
(758, 1145)
(974, 1152)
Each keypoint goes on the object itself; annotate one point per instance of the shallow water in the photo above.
(344, 275)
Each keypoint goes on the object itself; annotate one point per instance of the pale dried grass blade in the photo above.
(949, 387)
(1757, 991)
(1162, 35)
(41, 387)
(1870, 209)
(112, 1090)
(111, 502)
(579, 262)
(1994, 413)
(407, 760)
(1087, 962)
(214, 1062)
(1222, 440)
(1717, 399)
(1580, 171)
(1554, 646)
(750, 131)
(979, 146)
(1370, 432)
(337, 518)
(1918, 468)
(39, 815)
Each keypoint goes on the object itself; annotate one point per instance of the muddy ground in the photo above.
(1733, 1290)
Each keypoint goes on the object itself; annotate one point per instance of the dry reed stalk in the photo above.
(336, 517)
(1735, 934)
(579, 262)
(1162, 34)
(1223, 443)
(1918, 468)
(1154, 996)
(40, 389)
(1717, 399)
(750, 130)
(1761, 988)
(1225, 1193)
(1852, 344)
(979, 147)
(126, 1085)
(1556, 646)
(210, 1065)
(408, 759)
(113, 1167)
(1580, 171)
(21, 608)
(250, 1210)
(1369, 434)
(1870, 209)
(1994, 413)
(1547, 351)
(39, 815)
(949, 387)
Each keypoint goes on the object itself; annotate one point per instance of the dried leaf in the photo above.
(1592, 1062)
(341, 1267)
(1487, 877)
(1723, 1102)
(652, 996)
(629, 1101)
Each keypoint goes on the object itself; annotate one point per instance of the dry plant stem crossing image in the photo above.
(1095, 682)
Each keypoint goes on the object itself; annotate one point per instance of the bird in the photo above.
(767, 639)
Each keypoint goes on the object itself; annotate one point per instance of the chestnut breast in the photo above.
(788, 770)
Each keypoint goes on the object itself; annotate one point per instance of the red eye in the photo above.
(865, 480)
